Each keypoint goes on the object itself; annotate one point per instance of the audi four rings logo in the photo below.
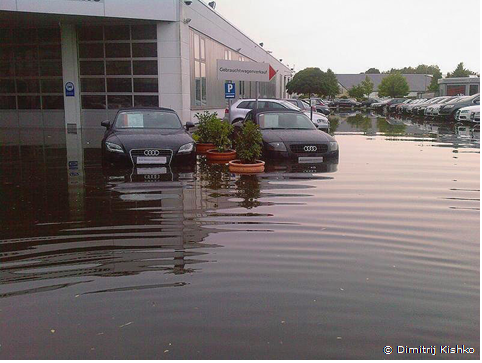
(311, 149)
(151, 153)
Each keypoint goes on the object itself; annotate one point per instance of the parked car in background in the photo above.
(369, 102)
(465, 113)
(320, 105)
(419, 110)
(449, 109)
(378, 106)
(344, 103)
(290, 134)
(475, 116)
(385, 106)
(395, 106)
(433, 110)
(240, 109)
(410, 106)
(147, 137)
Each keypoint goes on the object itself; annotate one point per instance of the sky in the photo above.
(351, 36)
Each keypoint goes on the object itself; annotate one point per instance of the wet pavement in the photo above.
(303, 261)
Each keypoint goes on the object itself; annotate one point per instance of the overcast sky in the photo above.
(350, 36)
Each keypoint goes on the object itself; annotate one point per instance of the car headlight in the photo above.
(114, 147)
(186, 149)
(333, 146)
(277, 146)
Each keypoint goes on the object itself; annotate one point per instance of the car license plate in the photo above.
(152, 160)
(310, 160)
(151, 171)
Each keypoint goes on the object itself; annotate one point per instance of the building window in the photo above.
(118, 66)
(473, 89)
(228, 55)
(200, 77)
(455, 90)
(31, 69)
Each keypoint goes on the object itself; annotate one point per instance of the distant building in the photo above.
(418, 83)
(467, 86)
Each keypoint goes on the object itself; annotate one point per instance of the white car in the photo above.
(240, 109)
(465, 113)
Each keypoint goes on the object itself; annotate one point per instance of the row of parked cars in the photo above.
(458, 108)
(317, 113)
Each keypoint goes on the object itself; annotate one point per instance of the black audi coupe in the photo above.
(147, 137)
(290, 134)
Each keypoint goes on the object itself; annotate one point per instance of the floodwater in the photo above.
(330, 261)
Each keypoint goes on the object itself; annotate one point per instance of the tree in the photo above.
(357, 92)
(460, 71)
(367, 86)
(434, 70)
(330, 84)
(373, 71)
(307, 81)
(393, 85)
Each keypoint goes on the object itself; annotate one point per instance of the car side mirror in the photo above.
(105, 124)
(189, 125)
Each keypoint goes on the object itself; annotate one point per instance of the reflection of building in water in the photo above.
(75, 174)
(127, 224)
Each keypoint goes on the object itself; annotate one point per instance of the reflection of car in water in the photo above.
(273, 166)
(146, 137)
(289, 134)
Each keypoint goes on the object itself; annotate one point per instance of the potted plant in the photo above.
(221, 137)
(204, 133)
(249, 145)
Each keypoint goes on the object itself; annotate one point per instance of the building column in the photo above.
(174, 67)
(70, 72)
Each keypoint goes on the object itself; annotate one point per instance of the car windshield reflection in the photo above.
(148, 120)
(285, 121)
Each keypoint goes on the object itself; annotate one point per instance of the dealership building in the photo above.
(466, 86)
(73, 63)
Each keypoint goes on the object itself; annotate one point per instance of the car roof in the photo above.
(146, 109)
(257, 111)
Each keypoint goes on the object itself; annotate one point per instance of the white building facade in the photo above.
(74, 63)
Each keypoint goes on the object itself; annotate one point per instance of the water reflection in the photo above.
(371, 124)
(275, 265)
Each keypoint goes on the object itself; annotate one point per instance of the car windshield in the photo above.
(148, 120)
(290, 106)
(284, 121)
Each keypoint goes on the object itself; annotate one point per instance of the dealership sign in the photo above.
(245, 71)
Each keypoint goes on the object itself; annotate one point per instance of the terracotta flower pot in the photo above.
(202, 148)
(236, 166)
(214, 155)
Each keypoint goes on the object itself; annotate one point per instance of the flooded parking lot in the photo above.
(335, 260)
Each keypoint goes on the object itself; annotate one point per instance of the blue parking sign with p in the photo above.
(230, 90)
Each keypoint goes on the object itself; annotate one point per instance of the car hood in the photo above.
(145, 139)
(299, 136)
(470, 108)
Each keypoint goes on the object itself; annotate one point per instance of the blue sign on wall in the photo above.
(69, 89)
(230, 90)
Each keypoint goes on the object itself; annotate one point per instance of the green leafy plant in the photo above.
(394, 85)
(249, 143)
(206, 127)
(221, 135)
